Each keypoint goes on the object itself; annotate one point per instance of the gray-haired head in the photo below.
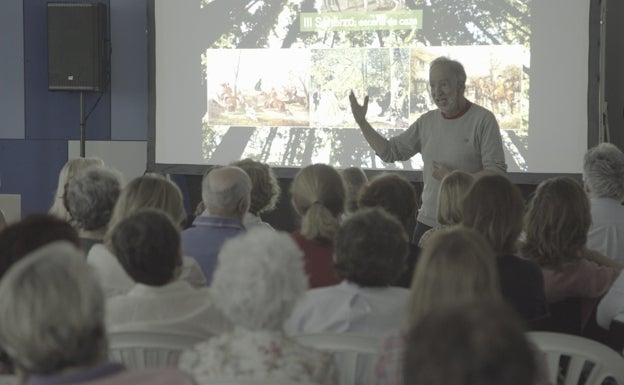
(259, 278)
(603, 171)
(69, 170)
(52, 312)
(226, 192)
(91, 195)
(453, 65)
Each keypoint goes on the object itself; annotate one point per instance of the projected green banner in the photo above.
(360, 21)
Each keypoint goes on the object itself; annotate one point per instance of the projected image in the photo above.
(275, 75)
(257, 87)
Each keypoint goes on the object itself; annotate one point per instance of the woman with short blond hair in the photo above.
(147, 191)
(453, 188)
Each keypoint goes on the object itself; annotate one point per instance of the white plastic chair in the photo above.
(587, 358)
(355, 354)
(148, 347)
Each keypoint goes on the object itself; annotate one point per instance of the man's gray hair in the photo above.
(456, 67)
(223, 188)
(259, 278)
(91, 195)
(52, 311)
(603, 171)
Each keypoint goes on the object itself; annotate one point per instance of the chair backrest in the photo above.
(8, 379)
(355, 354)
(147, 347)
(573, 360)
(228, 381)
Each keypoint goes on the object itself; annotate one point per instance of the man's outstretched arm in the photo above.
(378, 143)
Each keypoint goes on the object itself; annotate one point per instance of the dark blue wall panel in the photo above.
(129, 69)
(30, 168)
(11, 70)
(54, 115)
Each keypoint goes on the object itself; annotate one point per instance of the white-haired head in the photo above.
(52, 312)
(259, 278)
(226, 192)
(603, 171)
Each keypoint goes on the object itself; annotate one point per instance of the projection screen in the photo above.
(269, 80)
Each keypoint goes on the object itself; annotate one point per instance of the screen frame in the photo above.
(593, 110)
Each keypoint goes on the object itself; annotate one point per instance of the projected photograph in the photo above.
(257, 87)
(380, 73)
(273, 77)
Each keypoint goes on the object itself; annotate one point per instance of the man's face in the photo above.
(446, 92)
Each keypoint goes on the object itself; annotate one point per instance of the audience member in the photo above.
(494, 207)
(90, 197)
(226, 195)
(556, 225)
(603, 174)
(473, 343)
(259, 278)
(147, 191)
(397, 196)
(20, 238)
(68, 171)
(354, 179)
(453, 188)
(611, 307)
(265, 191)
(370, 252)
(457, 266)
(35, 230)
(318, 197)
(52, 323)
(147, 244)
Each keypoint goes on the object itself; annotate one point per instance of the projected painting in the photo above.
(277, 74)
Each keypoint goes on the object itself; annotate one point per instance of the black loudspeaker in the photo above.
(77, 47)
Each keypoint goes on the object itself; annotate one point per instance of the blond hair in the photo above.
(457, 265)
(453, 188)
(318, 196)
(494, 207)
(556, 223)
(265, 189)
(69, 170)
(148, 191)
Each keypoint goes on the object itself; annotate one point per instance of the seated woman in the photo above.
(69, 170)
(90, 197)
(474, 343)
(457, 266)
(259, 278)
(147, 191)
(21, 238)
(397, 196)
(147, 244)
(453, 188)
(494, 207)
(52, 324)
(265, 191)
(318, 196)
(370, 251)
(556, 226)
